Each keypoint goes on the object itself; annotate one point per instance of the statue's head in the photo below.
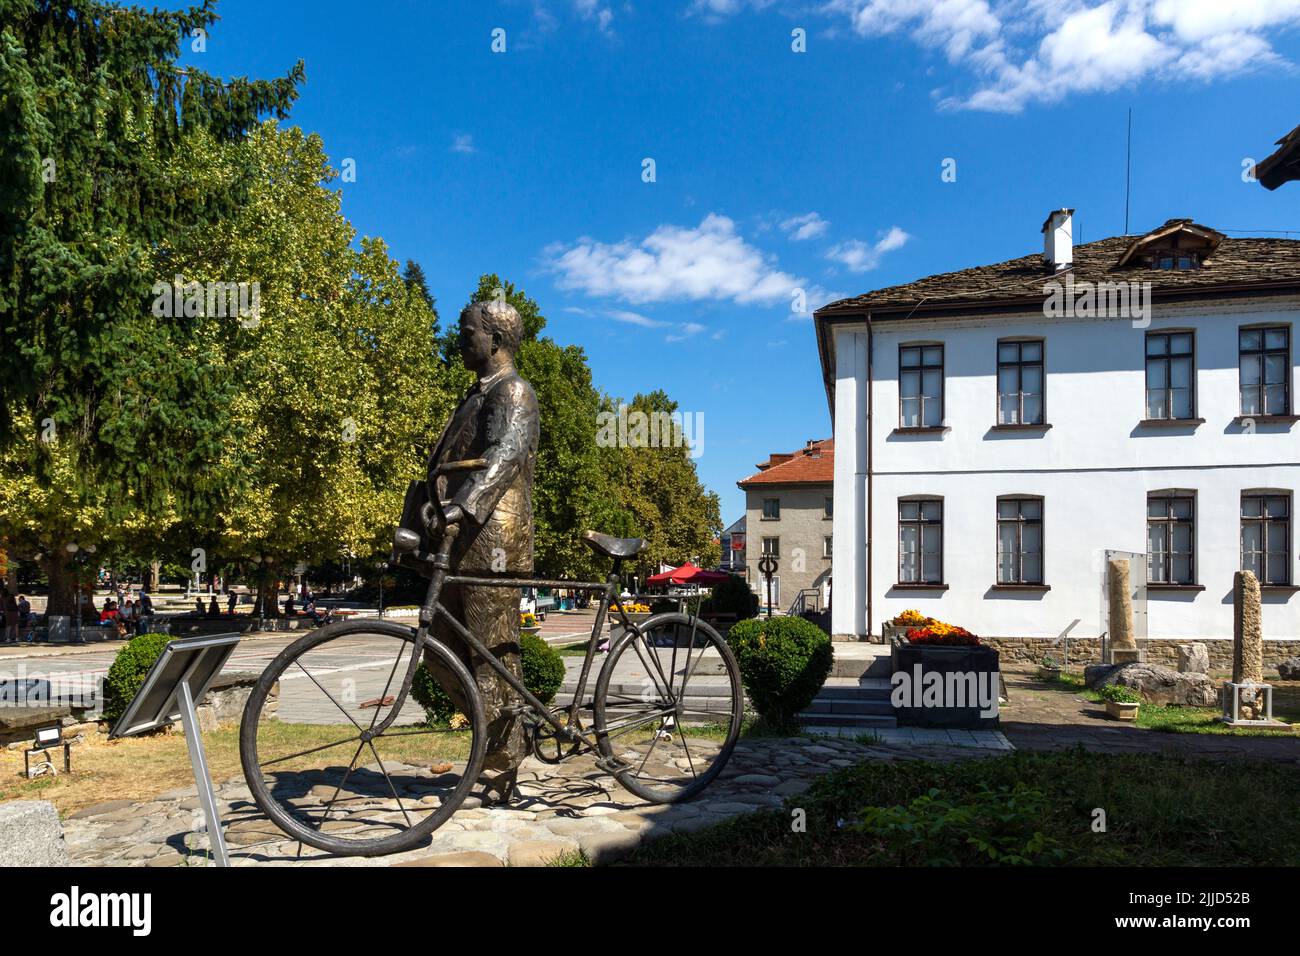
(488, 328)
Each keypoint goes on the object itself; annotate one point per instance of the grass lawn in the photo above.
(139, 768)
(1026, 808)
(1196, 720)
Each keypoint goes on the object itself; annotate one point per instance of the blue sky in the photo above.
(774, 170)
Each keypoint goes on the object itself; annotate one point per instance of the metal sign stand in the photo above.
(183, 673)
(202, 778)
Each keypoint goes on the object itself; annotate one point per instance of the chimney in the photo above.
(1058, 239)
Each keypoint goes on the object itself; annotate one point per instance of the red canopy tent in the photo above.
(688, 574)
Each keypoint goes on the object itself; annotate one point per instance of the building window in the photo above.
(1175, 260)
(772, 546)
(826, 547)
(1020, 540)
(1266, 371)
(830, 508)
(920, 386)
(771, 509)
(1171, 538)
(1171, 375)
(1266, 536)
(1020, 383)
(920, 541)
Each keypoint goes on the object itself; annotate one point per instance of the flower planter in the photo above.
(1049, 673)
(1121, 710)
(534, 630)
(936, 691)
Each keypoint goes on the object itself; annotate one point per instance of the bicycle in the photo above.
(644, 701)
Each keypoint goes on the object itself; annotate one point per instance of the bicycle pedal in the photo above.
(612, 765)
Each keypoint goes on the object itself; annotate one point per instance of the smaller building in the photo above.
(733, 547)
(788, 515)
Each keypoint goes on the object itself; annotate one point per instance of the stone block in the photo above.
(1289, 669)
(1156, 683)
(1193, 658)
(31, 835)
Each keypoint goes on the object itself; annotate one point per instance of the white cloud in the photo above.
(596, 11)
(859, 256)
(808, 226)
(462, 143)
(1022, 52)
(710, 261)
(678, 330)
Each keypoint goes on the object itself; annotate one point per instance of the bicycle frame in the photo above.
(433, 609)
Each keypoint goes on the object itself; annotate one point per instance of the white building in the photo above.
(1000, 428)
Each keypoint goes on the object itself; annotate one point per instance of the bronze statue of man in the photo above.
(497, 420)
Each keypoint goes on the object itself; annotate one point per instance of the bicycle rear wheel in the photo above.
(669, 705)
(321, 764)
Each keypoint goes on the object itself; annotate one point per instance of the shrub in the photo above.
(783, 663)
(732, 596)
(1000, 826)
(128, 671)
(543, 669)
(1119, 694)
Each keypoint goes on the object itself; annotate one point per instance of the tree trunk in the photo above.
(268, 603)
(155, 570)
(63, 593)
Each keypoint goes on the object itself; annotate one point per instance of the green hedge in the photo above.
(732, 596)
(128, 671)
(543, 669)
(783, 663)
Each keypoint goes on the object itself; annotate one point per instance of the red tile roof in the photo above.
(814, 464)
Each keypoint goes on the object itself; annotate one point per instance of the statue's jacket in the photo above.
(497, 420)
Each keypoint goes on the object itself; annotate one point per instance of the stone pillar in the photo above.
(1247, 630)
(1123, 642)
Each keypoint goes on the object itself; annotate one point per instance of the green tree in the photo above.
(108, 408)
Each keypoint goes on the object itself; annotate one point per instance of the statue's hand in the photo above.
(454, 514)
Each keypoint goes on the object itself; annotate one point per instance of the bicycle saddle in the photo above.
(612, 547)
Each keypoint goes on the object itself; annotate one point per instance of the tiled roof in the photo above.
(1284, 163)
(1234, 262)
(814, 464)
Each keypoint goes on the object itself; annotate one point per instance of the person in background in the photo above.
(231, 600)
(198, 606)
(288, 605)
(110, 613)
(145, 605)
(10, 618)
(214, 609)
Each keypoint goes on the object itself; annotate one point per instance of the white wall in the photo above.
(1093, 467)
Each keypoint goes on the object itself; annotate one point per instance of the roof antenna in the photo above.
(1128, 167)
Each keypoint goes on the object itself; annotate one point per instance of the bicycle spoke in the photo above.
(622, 728)
(389, 781)
(636, 643)
(303, 753)
(339, 788)
(387, 684)
(328, 694)
(682, 733)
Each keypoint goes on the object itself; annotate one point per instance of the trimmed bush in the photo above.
(543, 669)
(128, 671)
(733, 596)
(783, 663)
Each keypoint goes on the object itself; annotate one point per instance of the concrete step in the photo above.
(824, 705)
(865, 721)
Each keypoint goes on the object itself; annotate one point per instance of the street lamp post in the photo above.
(382, 566)
(79, 556)
(767, 565)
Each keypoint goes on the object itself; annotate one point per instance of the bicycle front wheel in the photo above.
(669, 706)
(322, 765)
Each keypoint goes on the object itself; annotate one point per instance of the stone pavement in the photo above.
(561, 809)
